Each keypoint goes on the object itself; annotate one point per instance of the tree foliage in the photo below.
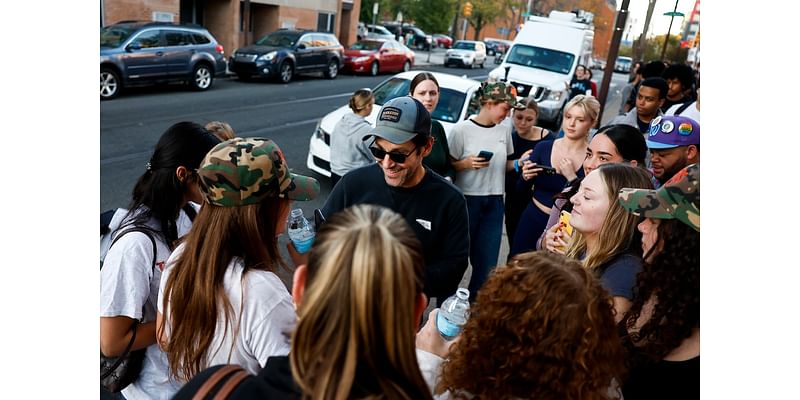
(484, 12)
(432, 16)
(653, 47)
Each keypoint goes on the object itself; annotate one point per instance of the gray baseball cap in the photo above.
(400, 120)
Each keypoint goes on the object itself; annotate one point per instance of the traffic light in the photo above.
(467, 9)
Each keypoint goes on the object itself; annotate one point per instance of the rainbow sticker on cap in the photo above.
(667, 127)
(685, 129)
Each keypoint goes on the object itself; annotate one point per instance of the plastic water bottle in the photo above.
(300, 231)
(453, 314)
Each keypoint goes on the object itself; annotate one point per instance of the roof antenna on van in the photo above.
(507, 68)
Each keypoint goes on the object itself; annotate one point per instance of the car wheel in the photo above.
(333, 69)
(110, 84)
(406, 66)
(285, 72)
(373, 69)
(202, 78)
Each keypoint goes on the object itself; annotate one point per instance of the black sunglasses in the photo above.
(399, 158)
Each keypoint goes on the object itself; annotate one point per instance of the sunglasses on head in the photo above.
(380, 154)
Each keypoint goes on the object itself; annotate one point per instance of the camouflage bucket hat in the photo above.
(241, 171)
(500, 92)
(678, 198)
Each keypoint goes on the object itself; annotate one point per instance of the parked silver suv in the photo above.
(136, 53)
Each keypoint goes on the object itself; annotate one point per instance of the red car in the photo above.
(442, 41)
(374, 56)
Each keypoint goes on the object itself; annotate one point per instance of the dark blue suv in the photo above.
(285, 52)
(137, 53)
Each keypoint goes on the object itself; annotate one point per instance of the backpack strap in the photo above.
(683, 107)
(147, 231)
(236, 373)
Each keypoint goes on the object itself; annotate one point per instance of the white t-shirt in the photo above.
(266, 311)
(128, 281)
(690, 112)
(467, 138)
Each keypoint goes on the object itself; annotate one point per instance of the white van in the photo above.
(544, 56)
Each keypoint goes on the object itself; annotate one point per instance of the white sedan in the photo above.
(453, 106)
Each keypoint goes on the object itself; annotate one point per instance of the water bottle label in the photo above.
(303, 245)
(447, 329)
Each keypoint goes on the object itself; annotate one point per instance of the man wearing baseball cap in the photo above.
(434, 208)
(674, 143)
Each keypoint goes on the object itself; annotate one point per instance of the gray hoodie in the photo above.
(348, 151)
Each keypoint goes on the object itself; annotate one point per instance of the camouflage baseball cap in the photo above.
(501, 92)
(678, 198)
(243, 171)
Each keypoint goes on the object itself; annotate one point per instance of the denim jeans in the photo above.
(485, 232)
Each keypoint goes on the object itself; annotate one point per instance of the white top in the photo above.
(467, 138)
(690, 112)
(262, 309)
(127, 282)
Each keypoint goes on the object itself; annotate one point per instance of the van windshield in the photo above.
(537, 57)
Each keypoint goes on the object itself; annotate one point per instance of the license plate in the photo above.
(245, 57)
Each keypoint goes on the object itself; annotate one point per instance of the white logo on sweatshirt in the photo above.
(425, 224)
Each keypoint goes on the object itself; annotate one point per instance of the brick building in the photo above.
(227, 19)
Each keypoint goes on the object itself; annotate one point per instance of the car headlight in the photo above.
(319, 132)
(269, 56)
(555, 95)
(361, 59)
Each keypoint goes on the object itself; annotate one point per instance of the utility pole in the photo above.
(666, 38)
(639, 53)
(616, 37)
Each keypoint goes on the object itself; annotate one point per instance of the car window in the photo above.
(332, 40)
(278, 39)
(112, 36)
(464, 46)
(450, 103)
(148, 39)
(366, 45)
(177, 38)
(537, 57)
(382, 30)
(306, 40)
(394, 87)
(200, 38)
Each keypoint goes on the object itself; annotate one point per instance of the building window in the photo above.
(325, 22)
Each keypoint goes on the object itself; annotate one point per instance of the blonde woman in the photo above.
(348, 151)
(220, 129)
(606, 238)
(565, 155)
(359, 303)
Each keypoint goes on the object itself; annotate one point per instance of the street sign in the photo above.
(674, 14)
(375, 8)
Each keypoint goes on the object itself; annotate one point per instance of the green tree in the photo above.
(484, 12)
(365, 15)
(432, 16)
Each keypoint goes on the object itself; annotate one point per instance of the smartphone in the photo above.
(486, 155)
(563, 220)
(319, 219)
(547, 170)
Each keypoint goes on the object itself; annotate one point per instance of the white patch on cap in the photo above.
(667, 127)
(391, 114)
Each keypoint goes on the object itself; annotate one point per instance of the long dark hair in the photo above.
(628, 140)
(673, 279)
(419, 78)
(158, 189)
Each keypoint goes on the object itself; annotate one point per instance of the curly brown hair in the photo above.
(542, 327)
(673, 279)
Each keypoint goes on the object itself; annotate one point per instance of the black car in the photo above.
(284, 53)
(420, 41)
(137, 53)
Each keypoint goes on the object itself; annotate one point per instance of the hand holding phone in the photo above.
(486, 155)
(546, 170)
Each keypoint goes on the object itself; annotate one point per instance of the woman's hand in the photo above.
(471, 162)
(566, 169)
(556, 240)
(530, 170)
(429, 339)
